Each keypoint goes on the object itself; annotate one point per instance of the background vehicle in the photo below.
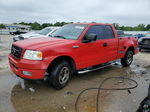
(42, 33)
(17, 32)
(144, 42)
(16, 29)
(139, 35)
(74, 48)
(122, 34)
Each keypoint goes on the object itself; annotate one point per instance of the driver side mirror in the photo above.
(89, 38)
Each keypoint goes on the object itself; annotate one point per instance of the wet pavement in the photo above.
(19, 96)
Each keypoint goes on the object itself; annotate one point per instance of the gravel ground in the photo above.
(19, 96)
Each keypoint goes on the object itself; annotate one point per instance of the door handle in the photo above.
(105, 44)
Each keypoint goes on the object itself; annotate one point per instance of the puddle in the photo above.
(38, 96)
(7, 82)
(42, 97)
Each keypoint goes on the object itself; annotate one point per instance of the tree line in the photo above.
(38, 26)
(2, 26)
(140, 27)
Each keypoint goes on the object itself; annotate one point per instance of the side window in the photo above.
(98, 30)
(108, 33)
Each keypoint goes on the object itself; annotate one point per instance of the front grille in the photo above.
(16, 51)
(146, 41)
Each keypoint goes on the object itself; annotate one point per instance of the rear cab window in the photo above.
(108, 32)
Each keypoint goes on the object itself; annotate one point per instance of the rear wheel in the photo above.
(127, 60)
(60, 75)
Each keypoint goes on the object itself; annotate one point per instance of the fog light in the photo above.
(27, 73)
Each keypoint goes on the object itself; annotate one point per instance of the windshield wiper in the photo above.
(60, 36)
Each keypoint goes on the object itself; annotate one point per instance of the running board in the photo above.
(90, 69)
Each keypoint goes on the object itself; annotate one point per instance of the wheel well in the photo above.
(131, 48)
(63, 58)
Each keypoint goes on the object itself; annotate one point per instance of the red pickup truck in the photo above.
(79, 47)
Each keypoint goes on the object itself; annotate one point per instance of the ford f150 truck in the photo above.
(74, 48)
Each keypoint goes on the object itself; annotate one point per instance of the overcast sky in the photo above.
(124, 12)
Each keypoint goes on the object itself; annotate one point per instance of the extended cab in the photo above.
(73, 48)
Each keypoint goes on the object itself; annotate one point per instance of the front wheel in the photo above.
(127, 60)
(60, 75)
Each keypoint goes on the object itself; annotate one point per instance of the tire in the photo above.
(127, 60)
(60, 75)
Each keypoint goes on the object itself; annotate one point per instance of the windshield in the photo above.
(44, 31)
(147, 35)
(70, 31)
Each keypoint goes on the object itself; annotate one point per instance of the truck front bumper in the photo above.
(28, 69)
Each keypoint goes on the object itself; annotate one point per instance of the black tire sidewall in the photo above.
(55, 72)
(129, 52)
(124, 61)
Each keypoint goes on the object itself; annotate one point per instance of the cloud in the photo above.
(125, 12)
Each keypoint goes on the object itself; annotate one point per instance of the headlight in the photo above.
(32, 55)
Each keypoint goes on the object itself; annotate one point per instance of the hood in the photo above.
(145, 38)
(37, 43)
(29, 35)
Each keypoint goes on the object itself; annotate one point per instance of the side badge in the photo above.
(76, 46)
(121, 52)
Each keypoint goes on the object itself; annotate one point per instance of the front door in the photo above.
(91, 53)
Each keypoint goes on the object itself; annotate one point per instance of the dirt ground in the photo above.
(19, 96)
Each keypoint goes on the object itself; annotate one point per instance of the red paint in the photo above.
(88, 54)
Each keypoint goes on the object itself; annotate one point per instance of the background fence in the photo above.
(4, 32)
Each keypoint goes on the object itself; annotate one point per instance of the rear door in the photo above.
(109, 43)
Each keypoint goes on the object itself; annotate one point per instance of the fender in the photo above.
(50, 59)
(128, 44)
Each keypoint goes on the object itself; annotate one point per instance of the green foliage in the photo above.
(46, 25)
(37, 26)
(60, 23)
(2, 26)
(140, 27)
(116, 25)
(148, 27)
